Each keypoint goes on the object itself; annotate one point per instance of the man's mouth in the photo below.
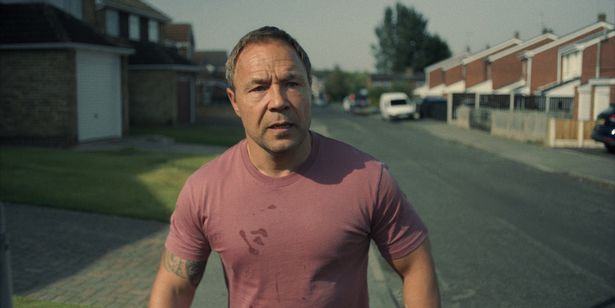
(281, 125)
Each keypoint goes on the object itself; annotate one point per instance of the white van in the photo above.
(397, 105)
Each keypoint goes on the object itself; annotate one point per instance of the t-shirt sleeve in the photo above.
(396, 227)
(186, 237)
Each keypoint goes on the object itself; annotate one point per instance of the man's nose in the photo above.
(278, 99)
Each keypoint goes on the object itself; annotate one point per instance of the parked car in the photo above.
(397, 105)
(433, 107)
(604, 131)
(356, 102)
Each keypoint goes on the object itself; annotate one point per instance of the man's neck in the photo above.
(279, 164)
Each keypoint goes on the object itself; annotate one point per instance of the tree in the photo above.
(339, 83)
(404, 42)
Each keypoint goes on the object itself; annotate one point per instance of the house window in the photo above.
(133, 27)
(112, 23)
(153, 31)
(571, 66)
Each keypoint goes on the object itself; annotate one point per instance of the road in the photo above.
(504, 234)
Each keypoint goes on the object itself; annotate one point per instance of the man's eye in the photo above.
(258, 89)
(292, 84)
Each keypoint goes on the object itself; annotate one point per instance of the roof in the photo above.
(44, 23)
(148, 53)
(567, 37)
(217, 58)
(178, 32)
(487, 52)
(587, 41)
(137, 7)
(449, 62)
(519, 47)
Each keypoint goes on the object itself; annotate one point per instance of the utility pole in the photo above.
(6, 289)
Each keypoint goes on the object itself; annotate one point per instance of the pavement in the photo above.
(104, 261)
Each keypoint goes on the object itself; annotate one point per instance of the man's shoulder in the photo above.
(334, 148)
(220, 165)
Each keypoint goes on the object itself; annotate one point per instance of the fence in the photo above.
(560, 107)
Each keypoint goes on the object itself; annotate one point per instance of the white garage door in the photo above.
(99, 100)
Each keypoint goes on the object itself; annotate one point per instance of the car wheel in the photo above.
(610, 148)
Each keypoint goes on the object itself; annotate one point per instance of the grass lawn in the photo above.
(209, 135)
(127, 182)
(24, 302)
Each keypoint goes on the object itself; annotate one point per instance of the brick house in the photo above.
(477, 70)
(506, 68)
(52, 67)
(591, 64)
(211, 81)
(161, 81)
(180, 36)
(453, 76)
(436, 78)
(540, 65)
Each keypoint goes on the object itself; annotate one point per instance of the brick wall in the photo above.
(436, 77)
(152, 97)
(544, 64)
(508, 69)
(607, 59)
(453, 75)
(475, 72)
(588, 69)
(38, 93)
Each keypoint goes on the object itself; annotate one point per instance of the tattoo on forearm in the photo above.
(187, 269)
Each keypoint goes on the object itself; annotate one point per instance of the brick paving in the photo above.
(81, 258)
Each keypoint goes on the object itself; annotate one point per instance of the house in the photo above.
(161, 82)
(540, 65)
(389, 81)
(590, 63)
(454, 78)
(506, 68)
(179, 36)
(477, 70)
(211, 81)
(436, 82)
(52, 67)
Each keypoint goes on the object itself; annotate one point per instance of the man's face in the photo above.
(272, 96)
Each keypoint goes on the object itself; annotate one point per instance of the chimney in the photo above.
(602, 17)
(516, 35)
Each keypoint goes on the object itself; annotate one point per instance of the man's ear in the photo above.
(232, 99)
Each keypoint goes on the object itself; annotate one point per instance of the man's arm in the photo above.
(176, 281)
(417, 271)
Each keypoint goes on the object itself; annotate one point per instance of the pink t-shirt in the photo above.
(300, 240)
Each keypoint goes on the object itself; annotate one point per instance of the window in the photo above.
(112, 23)
(153, 31)
(133, 27)
(571, 66)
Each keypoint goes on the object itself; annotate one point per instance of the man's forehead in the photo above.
(259, 57)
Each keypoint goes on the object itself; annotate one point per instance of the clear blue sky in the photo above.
(341, 32)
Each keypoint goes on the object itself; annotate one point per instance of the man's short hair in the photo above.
(261, 35)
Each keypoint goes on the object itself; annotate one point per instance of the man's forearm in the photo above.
(165, 295)
(420, 289)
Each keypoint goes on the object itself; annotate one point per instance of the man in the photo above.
(290, 212)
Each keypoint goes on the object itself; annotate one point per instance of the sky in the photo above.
(342, 32)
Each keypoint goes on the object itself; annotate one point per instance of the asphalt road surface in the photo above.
(503, 234)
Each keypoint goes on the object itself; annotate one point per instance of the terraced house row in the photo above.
(552, 86)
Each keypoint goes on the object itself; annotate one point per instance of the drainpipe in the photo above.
(529, 75)
(598, 50)
(6, 289)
